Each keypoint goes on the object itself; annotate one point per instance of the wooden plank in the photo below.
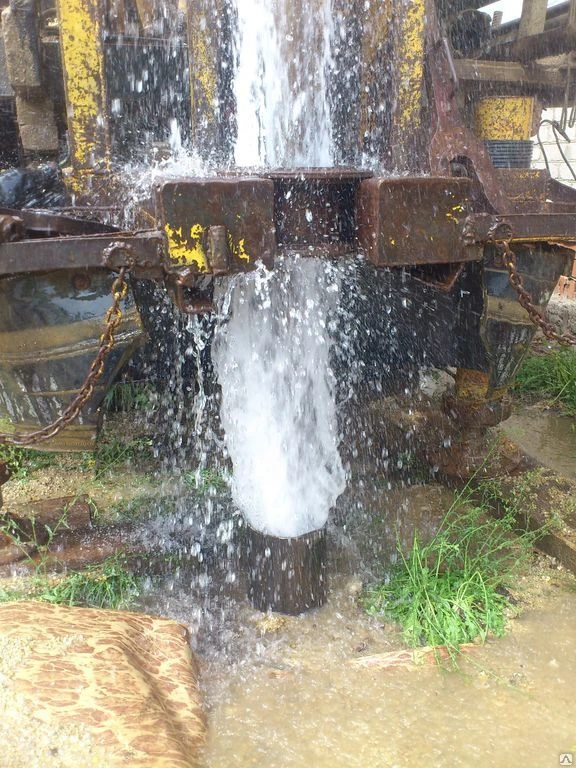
(533, 18)
(507, 72)
(572, 15)
(552, 43)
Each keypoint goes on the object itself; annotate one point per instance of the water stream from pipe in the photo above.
(283, 55)
(278, 407)
(272, 355)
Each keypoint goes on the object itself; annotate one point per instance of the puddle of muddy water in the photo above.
(290, 691)
(547, 436)
(301, 701)
(287, 691)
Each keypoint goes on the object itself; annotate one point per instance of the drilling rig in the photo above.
(433, 107)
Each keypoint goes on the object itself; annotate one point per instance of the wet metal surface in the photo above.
(189, 208)
(143, 253)
(414, 221)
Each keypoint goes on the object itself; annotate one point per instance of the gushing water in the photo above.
(283, 59)
(278, 408)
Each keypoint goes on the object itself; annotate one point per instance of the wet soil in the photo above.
(545, 434)
(322, 689)
(303, 697)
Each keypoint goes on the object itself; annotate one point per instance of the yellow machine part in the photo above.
(83, 65)
(507, 118)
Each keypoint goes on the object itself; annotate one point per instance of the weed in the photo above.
(126, 396)
(34, 539)
(136, 508)
(206, 480)
(108, 585)
(451, 590)
(112, 452)
(23, 461)
(552, 375)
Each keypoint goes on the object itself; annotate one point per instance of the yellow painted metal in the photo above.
(186, 248)
(505, 118)
(203, 57)
(474, 386)
(376, 23)
(83, 64)
(238, 248)
(410, 64)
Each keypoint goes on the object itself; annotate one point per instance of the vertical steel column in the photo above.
(211, 55)
(83, 64)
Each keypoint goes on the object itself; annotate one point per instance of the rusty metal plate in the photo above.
(414, 221)
(143, 253)
(218, 225)
(315, 209)
(40, 223)
(521, 227)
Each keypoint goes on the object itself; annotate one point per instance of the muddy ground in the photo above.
(335, 686)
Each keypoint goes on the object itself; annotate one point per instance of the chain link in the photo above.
(525, 299)
(112, 320)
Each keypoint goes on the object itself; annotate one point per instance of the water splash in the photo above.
(283, 59)
(278, 407)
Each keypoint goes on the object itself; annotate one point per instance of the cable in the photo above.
(556, 130)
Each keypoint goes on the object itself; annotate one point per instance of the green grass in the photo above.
(35, 539)
(107, 585)
(551, 376)
(112, 452)
(206, 480)
(452, 590)
(126, 396)
(22, 462)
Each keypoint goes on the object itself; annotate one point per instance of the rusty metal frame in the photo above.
(520, 227)
(144, 254)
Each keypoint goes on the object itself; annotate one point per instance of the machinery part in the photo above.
(40, 187)
(316, 209)
(11, 228)
(189, 210)
(143, 253)
(43, 224)
(525, 299)
(505, 118)
(112, 321)
(414, 221)
(34, 106)
(520, 227)
(286, 575)
(81, 46)
(451, 140)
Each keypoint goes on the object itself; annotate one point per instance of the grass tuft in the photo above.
(452, 590)
(108, 585)
(206, 480)
(551, 375)
(22, 462)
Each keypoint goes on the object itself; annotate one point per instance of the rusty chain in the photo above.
(525, 299)
(112, 320)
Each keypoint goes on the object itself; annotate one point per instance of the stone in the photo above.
(22, 60)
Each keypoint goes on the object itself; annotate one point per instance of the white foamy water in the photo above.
(278, 408)
(283, 53)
